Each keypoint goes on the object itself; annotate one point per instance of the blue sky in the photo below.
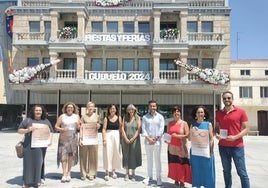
(249, 20)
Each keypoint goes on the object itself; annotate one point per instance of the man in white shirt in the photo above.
(152, 130)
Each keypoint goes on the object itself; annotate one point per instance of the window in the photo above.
(46, 60)
(167, 64)
(97, 27)
(143, 65)
(112, 27)
(245, 72)
(128, 64)
(168, 25)
(266, 72)
(144, 27)
(34, 26)
(192, 26)
(207, 26)
(128, 27)
(70, 24)
(245, 92)
(264, 92)
(192, 61)
(207, 63)
(112, 64)
(32, 61)
(96, 64)
(47, 25)
(69, 63)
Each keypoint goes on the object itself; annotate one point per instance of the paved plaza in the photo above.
(11, 167)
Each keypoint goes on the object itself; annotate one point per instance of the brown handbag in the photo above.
(19, 149)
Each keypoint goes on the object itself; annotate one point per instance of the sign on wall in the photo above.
(118, 37)
(119, 76)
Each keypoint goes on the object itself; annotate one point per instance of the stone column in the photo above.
(81, 25)
(52, 71)
(156, 65)
(183, 58)
(183, 26)
(80, 69)
(54, 24)
(157, 15)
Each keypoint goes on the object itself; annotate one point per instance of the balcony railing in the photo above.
(169, 74)
(119, 77)
(206, 3)
(32, 36)
(66, 74)
(206, 38)
(129, 39)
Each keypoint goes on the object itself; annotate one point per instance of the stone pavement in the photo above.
(11, 167)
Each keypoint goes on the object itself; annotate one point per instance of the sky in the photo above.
(249, 22)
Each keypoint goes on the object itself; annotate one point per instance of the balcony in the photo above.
(33, 38)
(206, 39)
(118, 77)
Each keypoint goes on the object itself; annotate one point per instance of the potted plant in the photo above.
(170, 33)
(68, 33)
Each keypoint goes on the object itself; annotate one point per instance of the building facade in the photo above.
(250, 88)
(121, 52)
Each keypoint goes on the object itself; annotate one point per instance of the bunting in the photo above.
(9, 21)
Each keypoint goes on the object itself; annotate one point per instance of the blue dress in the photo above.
(203, 169)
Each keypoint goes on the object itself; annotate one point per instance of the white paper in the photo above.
(200, 142)
(223, 133)
(40, 135)
(167, 137)
(89, 134)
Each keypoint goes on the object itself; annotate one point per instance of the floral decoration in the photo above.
(109, 2)
(212, 76)
(29, 73)
(169, 33)
(68, 32)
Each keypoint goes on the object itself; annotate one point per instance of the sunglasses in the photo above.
(225, 98)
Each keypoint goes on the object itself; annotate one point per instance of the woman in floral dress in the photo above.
(67, 124)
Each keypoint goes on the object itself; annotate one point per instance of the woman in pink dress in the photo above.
(178, 160)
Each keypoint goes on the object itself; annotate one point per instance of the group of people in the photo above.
(122, 144)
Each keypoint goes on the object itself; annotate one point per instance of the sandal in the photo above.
(68, 178)
(114, 176)
(106, 178)
(126, 177)
(133, 178)
(91, 178)
(63, 179)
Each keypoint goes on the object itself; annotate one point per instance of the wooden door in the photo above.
(263, 122)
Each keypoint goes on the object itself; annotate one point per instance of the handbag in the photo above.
(19, 148)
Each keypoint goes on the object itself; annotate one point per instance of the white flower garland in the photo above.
(109, 2)
(67, 32)
(28, 73)
(212, 76)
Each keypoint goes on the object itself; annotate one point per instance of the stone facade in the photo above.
(249, 85)
(195, 32)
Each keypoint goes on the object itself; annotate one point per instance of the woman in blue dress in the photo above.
(201, 154)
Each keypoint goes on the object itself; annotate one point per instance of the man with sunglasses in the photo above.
(231, 126)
